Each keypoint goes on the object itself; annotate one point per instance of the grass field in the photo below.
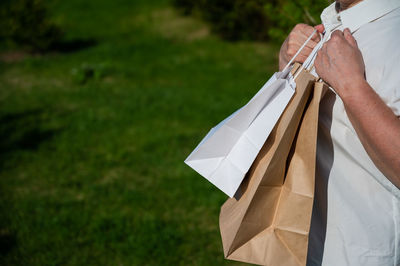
(93, 137)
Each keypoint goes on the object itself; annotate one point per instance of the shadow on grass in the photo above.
(18, 131)
(7, 241)
(70, 46)
(23, 131)
(75, 45)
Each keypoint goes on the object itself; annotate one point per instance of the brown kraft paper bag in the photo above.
(270, 223)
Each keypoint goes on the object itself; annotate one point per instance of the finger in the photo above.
(308, 30)
(349, 38)
(305, 31)
(300, 37)
(300, 58)
(307, 50)
(304, 53)
(316, 37)
(320, 28)
(337, 34)
(299, 42)
(295, 43)
(311, 44)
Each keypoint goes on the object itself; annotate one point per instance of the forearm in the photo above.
(377, 127)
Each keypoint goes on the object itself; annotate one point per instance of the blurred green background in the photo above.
(100, 103)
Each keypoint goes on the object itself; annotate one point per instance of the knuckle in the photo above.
(298, 26)
(302, 58)
(292, 35)
(291, 51)
(312, 45)
(291, 41)
(305, 53)
(329, 43)
(334, 38)
(316, 38)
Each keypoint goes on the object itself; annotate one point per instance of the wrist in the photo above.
(354, 90)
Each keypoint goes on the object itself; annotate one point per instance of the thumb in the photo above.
(349, 38)
(320, 28)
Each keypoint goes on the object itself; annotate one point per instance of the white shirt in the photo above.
(356, 215)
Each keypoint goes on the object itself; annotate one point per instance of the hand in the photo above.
(295, 40)
(340, 63)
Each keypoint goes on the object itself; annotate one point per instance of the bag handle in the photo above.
(309, 62)
(299, 51)
(326, 35)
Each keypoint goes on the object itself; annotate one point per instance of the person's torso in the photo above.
(363, 207)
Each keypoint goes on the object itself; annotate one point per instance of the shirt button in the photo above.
(339, 18)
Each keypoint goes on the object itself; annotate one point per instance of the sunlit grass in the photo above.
(93, 140)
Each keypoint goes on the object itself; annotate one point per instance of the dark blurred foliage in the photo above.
(254, 19)
(25, 23)
(285, 14)
(231, 19)
(186, 6)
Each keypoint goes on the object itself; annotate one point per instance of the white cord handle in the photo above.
(299, 51)
(309, 63)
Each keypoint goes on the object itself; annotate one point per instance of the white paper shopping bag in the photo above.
(226, 153)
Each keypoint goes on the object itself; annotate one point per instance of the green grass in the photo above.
(93, 140)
